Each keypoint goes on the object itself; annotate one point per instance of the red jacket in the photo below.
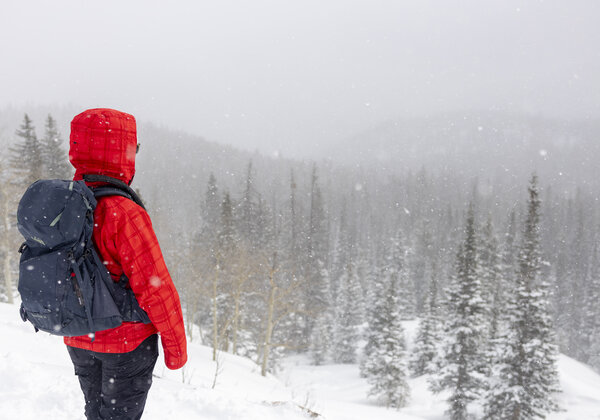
(104, 141)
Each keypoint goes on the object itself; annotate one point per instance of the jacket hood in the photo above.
(103, 141)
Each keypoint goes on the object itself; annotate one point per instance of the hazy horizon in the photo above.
(296, 77)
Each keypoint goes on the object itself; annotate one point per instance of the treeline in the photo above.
(28, 159)
(283, 257)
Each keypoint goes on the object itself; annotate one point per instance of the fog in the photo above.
(298, 77)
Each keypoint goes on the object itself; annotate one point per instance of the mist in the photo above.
(298, 78)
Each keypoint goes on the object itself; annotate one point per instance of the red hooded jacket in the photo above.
(104, 141)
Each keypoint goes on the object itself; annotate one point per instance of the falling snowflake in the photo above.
(155, 281)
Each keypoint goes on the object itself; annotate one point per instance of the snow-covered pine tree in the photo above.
(576, 270)
(463, 358)
(421, 252)
(396, 267)
(385, 369)
(492, 280)
(317, 288)
(426, 346)
(25, 156)
(246, 210)
(211, 210)
(525, 380)
(322, 333)
(375, 318)
(349, 315)
(592, 317)
(54, 156)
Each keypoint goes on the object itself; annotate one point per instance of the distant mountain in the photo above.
(487, 144)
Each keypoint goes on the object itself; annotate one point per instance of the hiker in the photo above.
(115, 366)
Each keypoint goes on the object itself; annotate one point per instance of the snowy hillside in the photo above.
(36, 377)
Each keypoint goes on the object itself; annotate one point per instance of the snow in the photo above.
(36, 377)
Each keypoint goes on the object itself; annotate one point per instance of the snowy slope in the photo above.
(37, 381)
(338, 393)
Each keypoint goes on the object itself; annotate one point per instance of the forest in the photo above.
(495, 254)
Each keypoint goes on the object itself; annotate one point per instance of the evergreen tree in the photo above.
(227, 238)
(247, 211)
(526, 378)
(426, 347)
(54, 156)
(592, 317)
(491, 278)
(211, 211)
(322, 332)
(396, 268)
(578, 342)
(375, 319)
(385, 369)
(348, 316)
(419, 257)
(317, 290)
(463, 348)
(26, 157)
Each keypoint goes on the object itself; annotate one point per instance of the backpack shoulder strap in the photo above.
(117, 187)
(109, 191)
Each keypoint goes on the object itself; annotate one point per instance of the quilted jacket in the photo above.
(104, 141)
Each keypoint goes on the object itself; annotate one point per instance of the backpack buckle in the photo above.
(22, 247)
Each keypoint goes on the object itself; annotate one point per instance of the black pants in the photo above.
(115, 385)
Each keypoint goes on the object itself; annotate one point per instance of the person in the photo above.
(115, 366)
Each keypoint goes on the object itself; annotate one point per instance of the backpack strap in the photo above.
(86, 294)
(108, 191)
(120, 185)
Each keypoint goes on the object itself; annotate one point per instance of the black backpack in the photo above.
(65, 289)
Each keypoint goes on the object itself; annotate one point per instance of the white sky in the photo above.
(293, 75)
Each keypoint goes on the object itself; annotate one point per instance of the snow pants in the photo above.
(115, 385)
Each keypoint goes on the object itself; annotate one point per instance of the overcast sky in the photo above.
(294, 75)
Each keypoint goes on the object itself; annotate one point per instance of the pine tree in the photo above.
(211, 211)
(491, 278)
(396, 267)
(526, 379)
(321, 338)
(247, 211)
(578, 340)
(463, 350)
(54, 156)
(385, 369)
(348, 316)
(419, 257)
(592, 317)
(26, 157)
(426, 347)
(317, 290)
(375, 319)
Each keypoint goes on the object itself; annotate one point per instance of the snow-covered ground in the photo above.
(37, 381)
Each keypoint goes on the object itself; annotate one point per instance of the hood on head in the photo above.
(103, 141)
